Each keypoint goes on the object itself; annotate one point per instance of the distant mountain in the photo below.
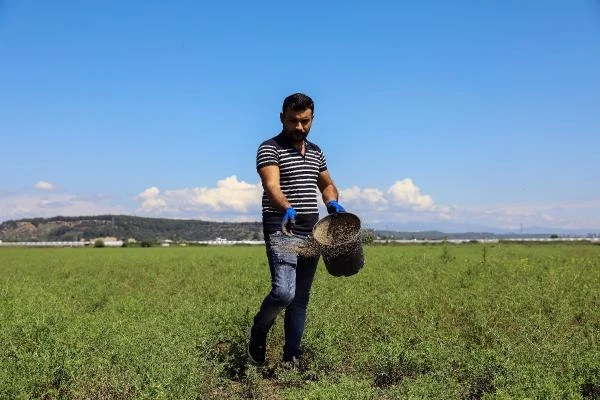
(124, 227)
(439, 226)
(156, 229)
(451, 228)
(560, 231)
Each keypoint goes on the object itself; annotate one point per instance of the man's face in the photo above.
(296, 124)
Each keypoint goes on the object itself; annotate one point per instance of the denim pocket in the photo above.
(284, 249)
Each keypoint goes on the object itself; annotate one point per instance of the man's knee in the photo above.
(301, 300)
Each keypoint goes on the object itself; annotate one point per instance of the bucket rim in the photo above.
(333, 216)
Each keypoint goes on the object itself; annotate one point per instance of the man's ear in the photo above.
(281, 117)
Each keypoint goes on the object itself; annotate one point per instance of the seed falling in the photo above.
(336, 234)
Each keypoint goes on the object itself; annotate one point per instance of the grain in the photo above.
(333, 235)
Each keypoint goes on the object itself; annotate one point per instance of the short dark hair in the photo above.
(298, 102)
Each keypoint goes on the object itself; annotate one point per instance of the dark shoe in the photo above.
(291, 363)
(257, 347)
(292, 358)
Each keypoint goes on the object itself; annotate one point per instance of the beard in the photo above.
(297, 136)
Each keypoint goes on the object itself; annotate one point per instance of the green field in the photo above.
(471, 321)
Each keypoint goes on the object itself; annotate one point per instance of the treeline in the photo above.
(125, 227)
(155, 229)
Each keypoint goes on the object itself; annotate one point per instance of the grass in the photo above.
(468, 321)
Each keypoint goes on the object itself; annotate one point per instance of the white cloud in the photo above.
(41, 185)
(369, 197)
(150, 200)
(235, 200)
(405, 193)
(31, 205)
(403, 203)
(231, 197)
(564, 215)
(547, 217)
(402, 195)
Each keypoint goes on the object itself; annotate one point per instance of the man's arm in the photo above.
(326, 186)
(269, 176)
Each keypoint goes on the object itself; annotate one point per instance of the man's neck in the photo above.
(300, 146)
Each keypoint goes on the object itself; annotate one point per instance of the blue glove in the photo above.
(334, 207)
(288, 221)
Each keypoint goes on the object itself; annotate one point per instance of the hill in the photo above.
(124, 227)
(155, 229)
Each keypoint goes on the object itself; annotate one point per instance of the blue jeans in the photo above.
(291, 279)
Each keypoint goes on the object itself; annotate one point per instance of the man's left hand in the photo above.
(334, 207)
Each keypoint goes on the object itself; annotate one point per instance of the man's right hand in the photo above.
(288, 221)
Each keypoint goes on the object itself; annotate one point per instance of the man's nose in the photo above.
(299, 126)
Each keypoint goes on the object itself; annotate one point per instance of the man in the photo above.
(291, 170)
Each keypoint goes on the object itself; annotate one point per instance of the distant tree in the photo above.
(367, 237)
(99, 243)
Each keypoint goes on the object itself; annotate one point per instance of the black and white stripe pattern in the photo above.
(297, 174)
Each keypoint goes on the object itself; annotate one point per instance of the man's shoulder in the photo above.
(275, 141)
(313, 146)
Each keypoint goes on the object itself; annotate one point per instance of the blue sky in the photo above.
(433, 114)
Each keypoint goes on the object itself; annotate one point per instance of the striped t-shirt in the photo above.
(297, 178)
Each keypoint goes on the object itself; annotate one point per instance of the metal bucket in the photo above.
(338, 236)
